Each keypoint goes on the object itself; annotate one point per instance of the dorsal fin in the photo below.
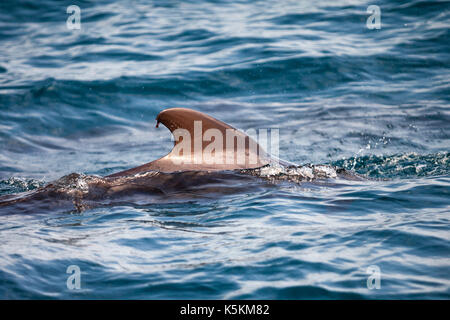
(182, 118)
(203, 143)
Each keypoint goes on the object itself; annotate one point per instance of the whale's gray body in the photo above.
(166, 180)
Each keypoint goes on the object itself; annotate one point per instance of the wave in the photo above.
(408, 165)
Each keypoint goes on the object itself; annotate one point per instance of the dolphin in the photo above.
(209, 157)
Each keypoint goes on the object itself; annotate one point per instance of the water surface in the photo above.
(372, 101)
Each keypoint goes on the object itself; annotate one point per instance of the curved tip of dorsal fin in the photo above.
(183, 118)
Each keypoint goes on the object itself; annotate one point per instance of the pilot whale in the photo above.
(209, 157)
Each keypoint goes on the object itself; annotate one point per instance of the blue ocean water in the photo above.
(374, 101)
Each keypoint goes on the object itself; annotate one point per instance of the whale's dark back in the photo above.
(80, 192)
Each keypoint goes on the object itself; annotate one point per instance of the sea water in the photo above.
(370, 94)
